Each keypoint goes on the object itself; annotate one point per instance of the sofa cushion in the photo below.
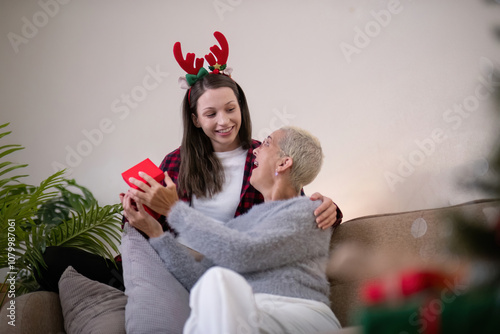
(35, 312)
(89, 306)
(157, 302)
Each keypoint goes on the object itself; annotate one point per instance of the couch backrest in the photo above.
(403, 239)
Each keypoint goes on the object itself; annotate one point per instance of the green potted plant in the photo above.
(57, 212)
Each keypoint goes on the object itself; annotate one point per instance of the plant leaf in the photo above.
(97, 230)
(14, 149)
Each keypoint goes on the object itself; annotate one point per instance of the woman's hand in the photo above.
(138, 217)
(122, 196)
(326, 213)
(155, 196)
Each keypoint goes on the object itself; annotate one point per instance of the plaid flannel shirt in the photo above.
(249, 196)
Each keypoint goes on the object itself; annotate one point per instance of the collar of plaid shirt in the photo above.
(249, 196)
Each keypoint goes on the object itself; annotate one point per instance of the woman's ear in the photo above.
(284, 164)
(195, 120)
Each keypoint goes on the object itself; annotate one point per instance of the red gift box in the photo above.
(148, 167)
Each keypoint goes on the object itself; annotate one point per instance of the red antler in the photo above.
(221, 53)
(187, 64)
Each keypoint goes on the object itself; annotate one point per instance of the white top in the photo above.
(222, 206)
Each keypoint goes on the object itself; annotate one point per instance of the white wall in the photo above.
(65, 67)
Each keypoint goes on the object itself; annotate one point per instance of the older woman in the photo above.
(267, 267)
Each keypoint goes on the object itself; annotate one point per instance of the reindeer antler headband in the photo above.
(194, 67)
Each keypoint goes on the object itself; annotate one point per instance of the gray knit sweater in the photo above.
(276, 246)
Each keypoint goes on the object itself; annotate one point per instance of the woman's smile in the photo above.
(226, 131)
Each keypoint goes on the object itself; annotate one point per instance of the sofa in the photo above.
(362, 249)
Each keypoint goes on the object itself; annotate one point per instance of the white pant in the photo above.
(222, 302)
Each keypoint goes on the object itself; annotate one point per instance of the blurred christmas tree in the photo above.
(476, 307)
(481, 243)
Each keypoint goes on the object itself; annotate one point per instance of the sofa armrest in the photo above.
(35, 312)
(387, 243)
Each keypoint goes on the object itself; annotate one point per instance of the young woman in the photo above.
(266, 267)
(212, 168)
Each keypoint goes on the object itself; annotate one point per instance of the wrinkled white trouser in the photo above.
(222, 302)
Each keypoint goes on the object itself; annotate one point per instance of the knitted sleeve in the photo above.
(178, 260)
(286, 234)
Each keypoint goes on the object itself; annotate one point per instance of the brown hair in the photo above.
(201, 172)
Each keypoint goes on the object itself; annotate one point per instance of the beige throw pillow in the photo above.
(89, 306)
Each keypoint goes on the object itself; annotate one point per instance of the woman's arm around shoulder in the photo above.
(274, 234)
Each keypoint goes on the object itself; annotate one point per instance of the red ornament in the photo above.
(400, 286)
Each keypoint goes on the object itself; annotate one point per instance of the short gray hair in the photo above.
(306, 153)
